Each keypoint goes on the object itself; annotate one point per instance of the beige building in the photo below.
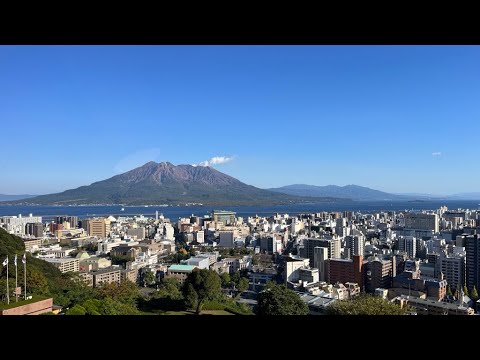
(130, 275)
(65, 264)
(422, 221)
(179, 272)
(94, 263)
(292, 267)
(32, 243)
(87, 278)
(98, 227)
(108, 275)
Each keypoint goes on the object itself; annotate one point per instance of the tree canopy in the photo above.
(278, 300)
(365, 305)
(474, 294)
(202, 285)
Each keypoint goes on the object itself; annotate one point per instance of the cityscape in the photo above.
(416, 263)
(252, 180)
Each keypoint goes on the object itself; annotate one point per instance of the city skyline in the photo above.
(267, 115)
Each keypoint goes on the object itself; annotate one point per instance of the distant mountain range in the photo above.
(4, 197)
(353, 192)
(357, 193)
(165, 183)
(464, 196)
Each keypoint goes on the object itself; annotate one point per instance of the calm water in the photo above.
(48, 212)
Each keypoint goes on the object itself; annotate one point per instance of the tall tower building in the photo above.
(453, 268)
(320, 256)
(472, 247)
(98, 227)
(356, 244)
(408, 244)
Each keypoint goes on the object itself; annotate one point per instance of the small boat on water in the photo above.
(123, 209)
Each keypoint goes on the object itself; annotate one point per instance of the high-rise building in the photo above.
(59, 219)
(346, 270)
(16, 224)
(199, 236)
(380, 273)
(453, 269)
(333, 246)
(55, 227)
(34, 229)
(320, 257)
(408, 244)
(472, 247)
(356, 244)
(422, 221)
(73, 220)
(98, 227)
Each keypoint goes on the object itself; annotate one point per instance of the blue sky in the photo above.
(393, 118)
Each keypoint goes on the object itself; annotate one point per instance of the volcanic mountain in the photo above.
(165, 183)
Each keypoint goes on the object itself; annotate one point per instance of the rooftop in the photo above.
(60, 260)
(21, 302)
(441, 304)
(106, 270)
(181, 268)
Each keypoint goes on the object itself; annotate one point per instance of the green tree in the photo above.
(270, 284)
(37, 283)
(254, 260)
(235, 278)
(205, 283)
(76, 310)
(278, 300)
(456, 294)
(121, 259)
(474, 294)
(171, 287)
(242, 285)
(225, 277)
(70, 289)
(91, 247)
(92, 306)
(113, 307)
(365, 305)
(126, 292)
(148, 278)
(191, 297)
(449, 290)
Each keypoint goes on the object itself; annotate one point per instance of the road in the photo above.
(248, 297)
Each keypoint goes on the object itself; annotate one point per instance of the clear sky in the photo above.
(393, 118)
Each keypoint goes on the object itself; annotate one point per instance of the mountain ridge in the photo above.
(354, 192)
(165, 183)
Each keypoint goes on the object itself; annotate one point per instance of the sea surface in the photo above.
(174, 212)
